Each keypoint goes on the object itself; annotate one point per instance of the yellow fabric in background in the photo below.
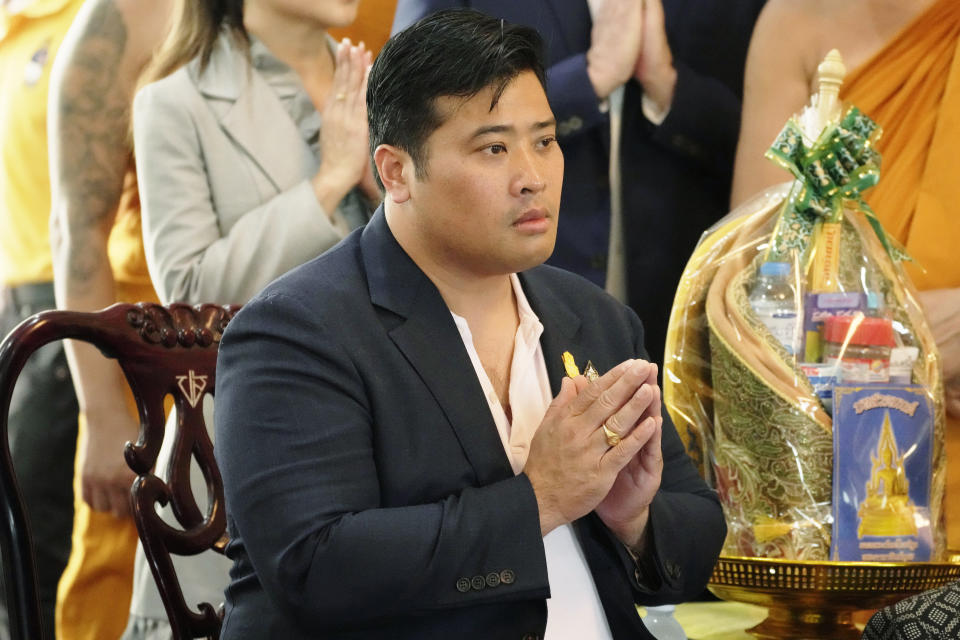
(29, 39)
(911, 88)
(93, 596)
(719, 620)
(372, 25)
(125, 247)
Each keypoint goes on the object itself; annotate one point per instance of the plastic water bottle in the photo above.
(774, 300)
(660, 622)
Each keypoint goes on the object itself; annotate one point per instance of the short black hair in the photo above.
(454, 52)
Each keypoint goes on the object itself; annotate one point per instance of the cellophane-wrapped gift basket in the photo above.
(800, 370)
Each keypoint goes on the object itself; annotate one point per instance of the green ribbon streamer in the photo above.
(839, 166)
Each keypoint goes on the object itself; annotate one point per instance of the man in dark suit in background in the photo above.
(680, 63)
(401, 452)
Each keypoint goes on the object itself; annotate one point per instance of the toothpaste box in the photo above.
(817, 307)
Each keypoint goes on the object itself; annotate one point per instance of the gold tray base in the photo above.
(811, 600)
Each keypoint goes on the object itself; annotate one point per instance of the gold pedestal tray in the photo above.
(811, 600)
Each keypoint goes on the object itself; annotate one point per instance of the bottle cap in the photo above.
(775, 269)
(870, 331)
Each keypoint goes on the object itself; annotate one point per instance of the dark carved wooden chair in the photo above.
(162, 350)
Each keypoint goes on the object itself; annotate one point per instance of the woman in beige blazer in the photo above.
(237, 186)
(239, 182)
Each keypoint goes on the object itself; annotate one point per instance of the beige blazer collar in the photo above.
(251, 114)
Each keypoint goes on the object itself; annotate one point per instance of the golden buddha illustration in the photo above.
(887, 510)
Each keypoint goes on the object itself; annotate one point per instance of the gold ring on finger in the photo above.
(613, 438)
(341, 96)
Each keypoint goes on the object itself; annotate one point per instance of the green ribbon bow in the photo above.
(840, 165)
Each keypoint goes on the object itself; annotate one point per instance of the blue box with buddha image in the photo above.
(882, 448)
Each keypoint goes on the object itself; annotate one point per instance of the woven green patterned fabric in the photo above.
(773, 465)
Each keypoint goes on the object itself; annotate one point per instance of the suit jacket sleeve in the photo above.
(295, 447)
(569, 90)
(189, 256)
(703, 123)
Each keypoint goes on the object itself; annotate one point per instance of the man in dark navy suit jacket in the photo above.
(681, 64)
(402, 453)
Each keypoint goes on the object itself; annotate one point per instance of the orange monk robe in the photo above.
(911, 88)
(372, 26)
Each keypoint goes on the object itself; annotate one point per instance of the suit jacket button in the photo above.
(478, 583)
(463, 585)
(493, 579)
(507, 576)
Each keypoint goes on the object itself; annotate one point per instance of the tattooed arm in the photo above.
(91, 90)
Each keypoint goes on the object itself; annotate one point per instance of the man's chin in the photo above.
(535, 258)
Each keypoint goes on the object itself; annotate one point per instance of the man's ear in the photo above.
(395, 167)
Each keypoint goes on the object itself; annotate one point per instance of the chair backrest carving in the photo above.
(163, 350)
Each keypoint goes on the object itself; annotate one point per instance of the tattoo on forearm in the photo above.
(91, 135)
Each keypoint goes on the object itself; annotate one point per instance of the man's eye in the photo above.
(546, 142)
(497, 149)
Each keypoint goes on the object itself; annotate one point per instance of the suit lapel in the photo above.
(428, 337)
(251, 108)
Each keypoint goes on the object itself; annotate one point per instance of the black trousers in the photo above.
(43, 441)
